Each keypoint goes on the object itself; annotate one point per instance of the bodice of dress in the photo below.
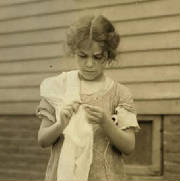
(107, 160)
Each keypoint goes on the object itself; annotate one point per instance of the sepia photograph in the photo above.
(89, 90)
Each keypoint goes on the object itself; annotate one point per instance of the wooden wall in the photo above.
(32, 34)
(31, 48)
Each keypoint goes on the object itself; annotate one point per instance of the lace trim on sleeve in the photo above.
(45, 110)
(125, 119)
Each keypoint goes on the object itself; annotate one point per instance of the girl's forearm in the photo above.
(123, 140)
(48, 135)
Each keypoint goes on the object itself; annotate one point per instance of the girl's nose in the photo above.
(89, 62)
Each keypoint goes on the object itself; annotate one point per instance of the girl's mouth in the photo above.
(89, 71)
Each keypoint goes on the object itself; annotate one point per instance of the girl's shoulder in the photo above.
(120, 89)
(124, 97)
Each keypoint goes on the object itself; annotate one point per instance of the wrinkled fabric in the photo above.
(76, 154)
(76, 151)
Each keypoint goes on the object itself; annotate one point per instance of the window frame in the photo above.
(155, 167)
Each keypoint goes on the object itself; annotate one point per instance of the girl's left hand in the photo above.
(95, 115)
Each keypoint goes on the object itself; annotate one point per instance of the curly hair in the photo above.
(97, 28)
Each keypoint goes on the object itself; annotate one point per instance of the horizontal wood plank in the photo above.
(158, 107)
(153, 41)
(16, 2)
(150, 91)
(23, 80)
(143, 107)
(132, 43)
(144, 178)
(31, 52)
(28, 38)
(130, 59)
(136, 170)
(144, 91)
(19, 95)
(125, 75)
(145, 74)
(50, 7)
(144, 26)
(25, 108)
(114, 13)
(151, 25)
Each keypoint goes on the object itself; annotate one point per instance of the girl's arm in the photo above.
(124, 140)
(48, 132)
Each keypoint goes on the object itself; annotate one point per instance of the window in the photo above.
(146, 160)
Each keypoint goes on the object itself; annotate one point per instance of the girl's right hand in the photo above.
(67, 112)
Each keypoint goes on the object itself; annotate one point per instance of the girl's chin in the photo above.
(89, 76)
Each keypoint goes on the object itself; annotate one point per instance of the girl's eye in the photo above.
(82, 55)
(98, 56)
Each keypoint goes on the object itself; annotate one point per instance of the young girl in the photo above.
(88, 119)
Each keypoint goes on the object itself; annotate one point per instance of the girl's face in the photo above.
(90, 59)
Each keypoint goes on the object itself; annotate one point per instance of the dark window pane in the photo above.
(143, 151)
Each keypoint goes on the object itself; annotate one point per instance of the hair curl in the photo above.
(99, 29)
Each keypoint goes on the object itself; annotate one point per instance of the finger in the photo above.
(65, 120)
(93, 108)
(69, 109)
(77, 102)
(98, 114)
(95, 114)
(67, 113)
(75, 106)
(92, 119)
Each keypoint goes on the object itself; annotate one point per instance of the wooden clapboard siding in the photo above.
(126, 75)
(152, 91)
(145, 74)
(158, 106)
(49, 7)
(31, 52)
(142, 26)
(115, 13)
(124, 60)
(128, 44)
(143, 91)
(32, 38)
(143, 107)
(20, 155)
(6, 3)
(152, 41)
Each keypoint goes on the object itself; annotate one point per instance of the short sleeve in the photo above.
(45, 109)
(125, 112)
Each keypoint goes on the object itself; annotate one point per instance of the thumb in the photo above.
(76, 106)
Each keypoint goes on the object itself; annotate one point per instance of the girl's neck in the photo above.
(100, 78)
(93, 86)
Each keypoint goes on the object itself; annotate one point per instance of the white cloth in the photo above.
(76, 153)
